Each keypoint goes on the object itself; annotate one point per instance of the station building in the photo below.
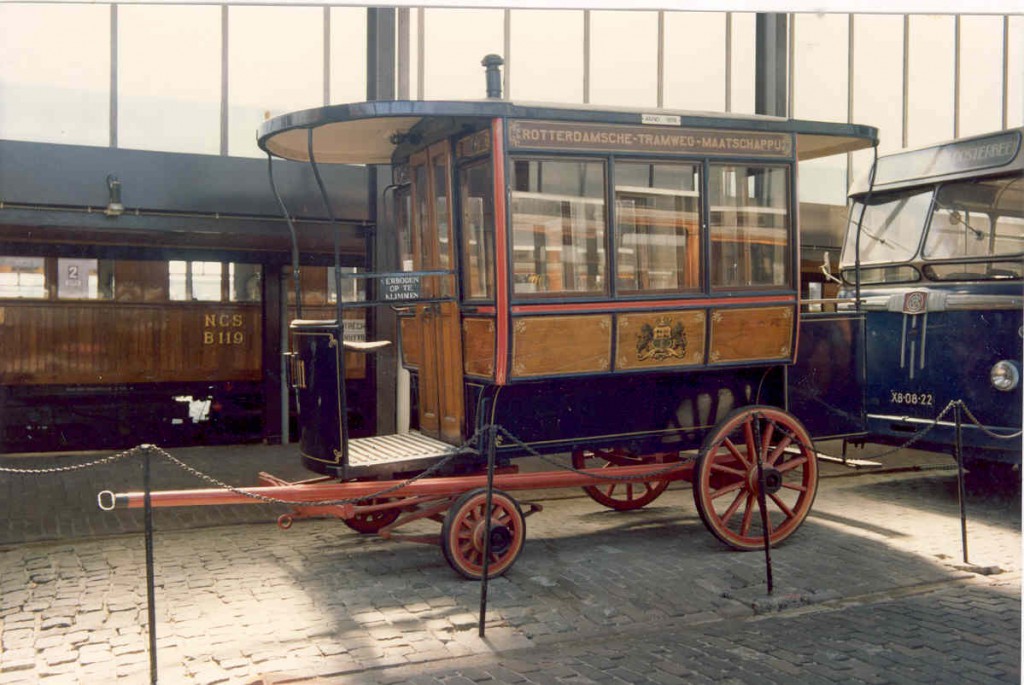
(146, 273)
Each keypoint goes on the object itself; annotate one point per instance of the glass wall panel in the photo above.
(455, 41)
(55, 73)
(558, 219)
(820, 79)
(981, 75)
(657, 232)
(744, 34)
(877, 84)
(1015, 88)
(695, 60)
(23, 277)
(275, 65)
(624, 58)
(169, 98)
(930, 100)
(348, 54)
(749, 225)
(546, 59)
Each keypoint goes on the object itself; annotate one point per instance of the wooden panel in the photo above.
(552, 345)
(107, 343)
(656, 339)
(478, 347)
(751, 334)
(412, 343)
(449, 371)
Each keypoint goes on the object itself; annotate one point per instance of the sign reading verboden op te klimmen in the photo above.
(529, 134)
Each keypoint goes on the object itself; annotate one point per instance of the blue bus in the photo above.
(934, 255)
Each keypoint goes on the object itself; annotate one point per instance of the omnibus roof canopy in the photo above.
(370, 132)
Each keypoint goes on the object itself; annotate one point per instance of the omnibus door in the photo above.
(437, 323)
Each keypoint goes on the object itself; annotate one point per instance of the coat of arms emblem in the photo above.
(661, 341)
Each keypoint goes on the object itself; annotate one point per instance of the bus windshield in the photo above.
(891, 230)
(973, 230)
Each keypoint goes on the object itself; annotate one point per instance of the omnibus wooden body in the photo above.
(620, 285)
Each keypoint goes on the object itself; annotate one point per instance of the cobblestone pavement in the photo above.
(594, 591)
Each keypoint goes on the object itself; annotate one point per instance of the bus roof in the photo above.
(987, 154)
(370, 132)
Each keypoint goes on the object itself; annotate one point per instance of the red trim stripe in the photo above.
(615, 306)
(501, 277)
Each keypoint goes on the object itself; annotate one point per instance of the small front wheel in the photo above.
(726, 483)
(462, 534)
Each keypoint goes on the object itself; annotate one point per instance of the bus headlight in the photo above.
(1004, 376)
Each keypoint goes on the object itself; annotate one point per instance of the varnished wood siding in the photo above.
(552, 345)
(751, 334)
(412, 343)
(478, 347)
(660, 339)
(106, 343)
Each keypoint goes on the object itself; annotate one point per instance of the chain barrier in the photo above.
(471, 444)
(78, 467)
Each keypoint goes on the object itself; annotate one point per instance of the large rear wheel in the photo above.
(726, 483)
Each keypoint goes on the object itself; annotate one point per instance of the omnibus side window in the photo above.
(965, 215)
(749, 227)
(558, 220)
(657, 234)
(475, 194)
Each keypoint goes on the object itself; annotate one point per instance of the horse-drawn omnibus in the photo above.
(935, 255)
(618, 284)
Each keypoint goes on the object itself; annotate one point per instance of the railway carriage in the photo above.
(621, 285)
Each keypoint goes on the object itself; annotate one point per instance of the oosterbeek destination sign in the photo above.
(614, 138)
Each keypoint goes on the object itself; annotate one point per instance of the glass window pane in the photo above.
(1015, 88)
(624, 58)
(476, 196)
(546, 58)
(85, 279)
(55, 73)
(206, 278)
(558, 220)
(177, 273)
(169, 98)
(890, 230)
(455, 41)
(930, 97)
(23, 277)
(877, 84)
(749, 225)
(981, 74)
(744, 33)
(657, 237)
(348, 54)
(275, 65)
(403, 217)
(962, 220)
(695, 60)
(245, 282)
(353, 289)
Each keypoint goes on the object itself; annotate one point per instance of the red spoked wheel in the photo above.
(618, 495)
(726, 484)
(462, 534)
(371, 522)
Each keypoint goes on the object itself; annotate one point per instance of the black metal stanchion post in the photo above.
(492, 435)
(150, 585)
(762, 502)
(961, 492)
